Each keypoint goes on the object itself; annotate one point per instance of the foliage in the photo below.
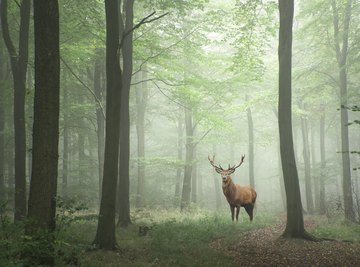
(19, 249)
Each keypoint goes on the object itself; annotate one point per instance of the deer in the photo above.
(237, 196)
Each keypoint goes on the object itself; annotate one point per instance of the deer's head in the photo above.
(225, 173)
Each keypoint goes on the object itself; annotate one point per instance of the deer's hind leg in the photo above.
(249, 209)
(237, 212)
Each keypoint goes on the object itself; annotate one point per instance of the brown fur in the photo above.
(239, 196)
(236, 195)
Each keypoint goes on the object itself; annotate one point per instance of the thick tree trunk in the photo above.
(295, 222)
(43, 185)
(306, 155)
(99, 92)
(341, 56)
(322, 205)
(141, 102)
(19, 67)
(124, 179)
(189, 151)
(2, 126)
(105, 233)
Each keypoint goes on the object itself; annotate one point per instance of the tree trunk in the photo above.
(194, 177)
(316, 178)
(295, 222)
(341, 56)
(105, 233)
(19, 66)
(2, 126)
(306, 155)
(124, 180)
(141, 102)
(99, 92)
(65, 169)
(42, 198)
(189, 150)
(216, 184)
(180, 129)
(322, 205)
(251, 145)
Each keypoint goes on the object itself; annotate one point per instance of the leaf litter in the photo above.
(266, 247)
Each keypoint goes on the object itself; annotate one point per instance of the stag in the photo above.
(237, 196)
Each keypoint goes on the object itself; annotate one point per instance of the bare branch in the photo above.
(143, 21)
(87, 87)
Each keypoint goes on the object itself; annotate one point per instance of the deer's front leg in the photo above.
(232, 208)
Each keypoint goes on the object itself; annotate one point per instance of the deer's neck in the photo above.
(228, 186)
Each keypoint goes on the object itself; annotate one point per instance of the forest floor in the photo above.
(265, 247)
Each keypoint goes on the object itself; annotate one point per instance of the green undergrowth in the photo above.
(174, 239)
(336, 228)
(171, 238)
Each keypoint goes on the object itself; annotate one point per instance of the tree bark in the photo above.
(295, 222)
(316, 178)
(180, 144)
(251, 145)
(105, 233)
(216, 185)
(194, 180)
(141, 102)
(65, 169)
(99, 92)
(2, 127)
(189, 147)
(19, 66)
(127, 50)
(341, 56)
(322, 205)
(43, 185)
(306, 155)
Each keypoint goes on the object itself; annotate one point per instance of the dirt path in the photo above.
(263, 247)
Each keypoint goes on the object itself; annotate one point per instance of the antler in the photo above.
(212, 163)
(241, 161)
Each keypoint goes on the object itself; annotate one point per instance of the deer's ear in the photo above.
(217, 170)
(231, 171)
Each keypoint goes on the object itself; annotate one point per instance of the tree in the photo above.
(189, 155)
(105, 233)
(2, 125)
(251, 145)
(43, 185)
(306, 155)
(141, 103)
(18, 62)
(126, 28)
(295, 222)
(341, 49)
(98, 90)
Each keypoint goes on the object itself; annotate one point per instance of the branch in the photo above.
(164, 50)
(87, 87)
(143, 21)
(168, 97)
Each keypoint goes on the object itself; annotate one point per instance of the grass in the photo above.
(336, 228)
(175, 239)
